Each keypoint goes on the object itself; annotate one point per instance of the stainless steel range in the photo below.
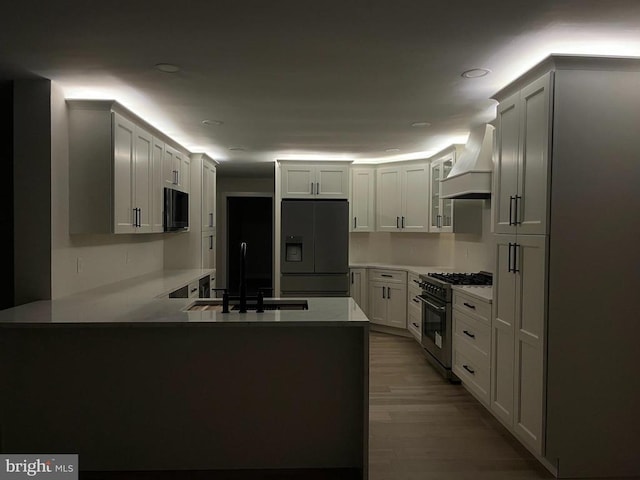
(437, 332)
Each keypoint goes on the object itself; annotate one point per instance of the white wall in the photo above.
(464, 252)
(104, 258)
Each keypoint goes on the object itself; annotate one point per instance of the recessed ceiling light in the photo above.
(211, 123)
(420, 124)
(167, 67)
(237, 149)
(476, 73)
(394, 149)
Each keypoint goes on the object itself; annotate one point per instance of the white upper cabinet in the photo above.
(441, 211)
(208, 195)
(176, 169)
(522, 159)
(131, 177)
(362, 202)
(315, 180)
(157, 186)
(117, 168)
(402, 198)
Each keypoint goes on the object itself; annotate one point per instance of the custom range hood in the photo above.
(470, 176)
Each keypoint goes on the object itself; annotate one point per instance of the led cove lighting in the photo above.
(395, 149)
(420, 124)
(212, 123)
(167, 67)
(237, 149)
(476, 73)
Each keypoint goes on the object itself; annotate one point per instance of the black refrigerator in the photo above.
(314, 258)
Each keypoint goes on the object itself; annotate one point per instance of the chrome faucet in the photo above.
(243, 278)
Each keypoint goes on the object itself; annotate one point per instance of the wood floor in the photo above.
(423, 427)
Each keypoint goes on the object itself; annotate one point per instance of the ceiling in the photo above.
(305, 79)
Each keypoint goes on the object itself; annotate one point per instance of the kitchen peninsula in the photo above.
(129, 379)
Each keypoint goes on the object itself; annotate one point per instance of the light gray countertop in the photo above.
(482, 292)
(418, 270)
(143, 300)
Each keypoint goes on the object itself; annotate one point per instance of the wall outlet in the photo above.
(79, 264)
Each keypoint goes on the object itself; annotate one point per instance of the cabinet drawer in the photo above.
(472, 306)
(388, 276)
(193, 290)
(473, 331)
(474, 374)
(414, 323)
(413, 281)
(412, 299)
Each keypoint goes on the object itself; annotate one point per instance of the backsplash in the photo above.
(464, 252)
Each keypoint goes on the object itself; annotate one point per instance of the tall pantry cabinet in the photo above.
(564, 340)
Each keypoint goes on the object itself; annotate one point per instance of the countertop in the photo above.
(418, 270)
(144, 300)
(482, 292)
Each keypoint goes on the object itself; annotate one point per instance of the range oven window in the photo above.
(434, 320)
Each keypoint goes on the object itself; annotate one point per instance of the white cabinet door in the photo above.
(169, 172)
(522, 160)
(332, 181)
(415, 198)
(435, 213)
(378, 302)
(506, 171)
(208, 196)
(143, 180)
(446, 225)
(502, 330)
(397, 305)
(362, 200)
(388, 199)
(157, 186)
(530, 287)
(123, 175)
(184, 173)
(298, 181)
(208, 250)
(533, 168)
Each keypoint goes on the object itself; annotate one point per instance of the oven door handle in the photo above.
(432, 305)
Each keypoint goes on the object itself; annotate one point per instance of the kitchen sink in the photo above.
(215, 304)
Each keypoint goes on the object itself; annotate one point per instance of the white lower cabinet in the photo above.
(414, 307)
(518, 332)
(358, 287)
(472, 344)
(388, 297)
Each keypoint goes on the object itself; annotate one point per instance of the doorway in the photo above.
(250, 220)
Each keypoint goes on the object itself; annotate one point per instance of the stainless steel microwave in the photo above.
(176, 210)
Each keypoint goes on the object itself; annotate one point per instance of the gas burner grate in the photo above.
(480, 278)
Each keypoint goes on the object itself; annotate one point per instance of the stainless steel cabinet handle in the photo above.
(383, 292)
(402, 222)
(511, 200)
(509, 258)
(469, 305)
(318, 188)
(210, 242)
(386, 275)
(388, 292)
(397, 222)
(516, 220)
(469, 334)
(471, 371)
(355, 222)
(311, 188)
(432, 305)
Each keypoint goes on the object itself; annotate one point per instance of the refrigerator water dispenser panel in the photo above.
(293, 249)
